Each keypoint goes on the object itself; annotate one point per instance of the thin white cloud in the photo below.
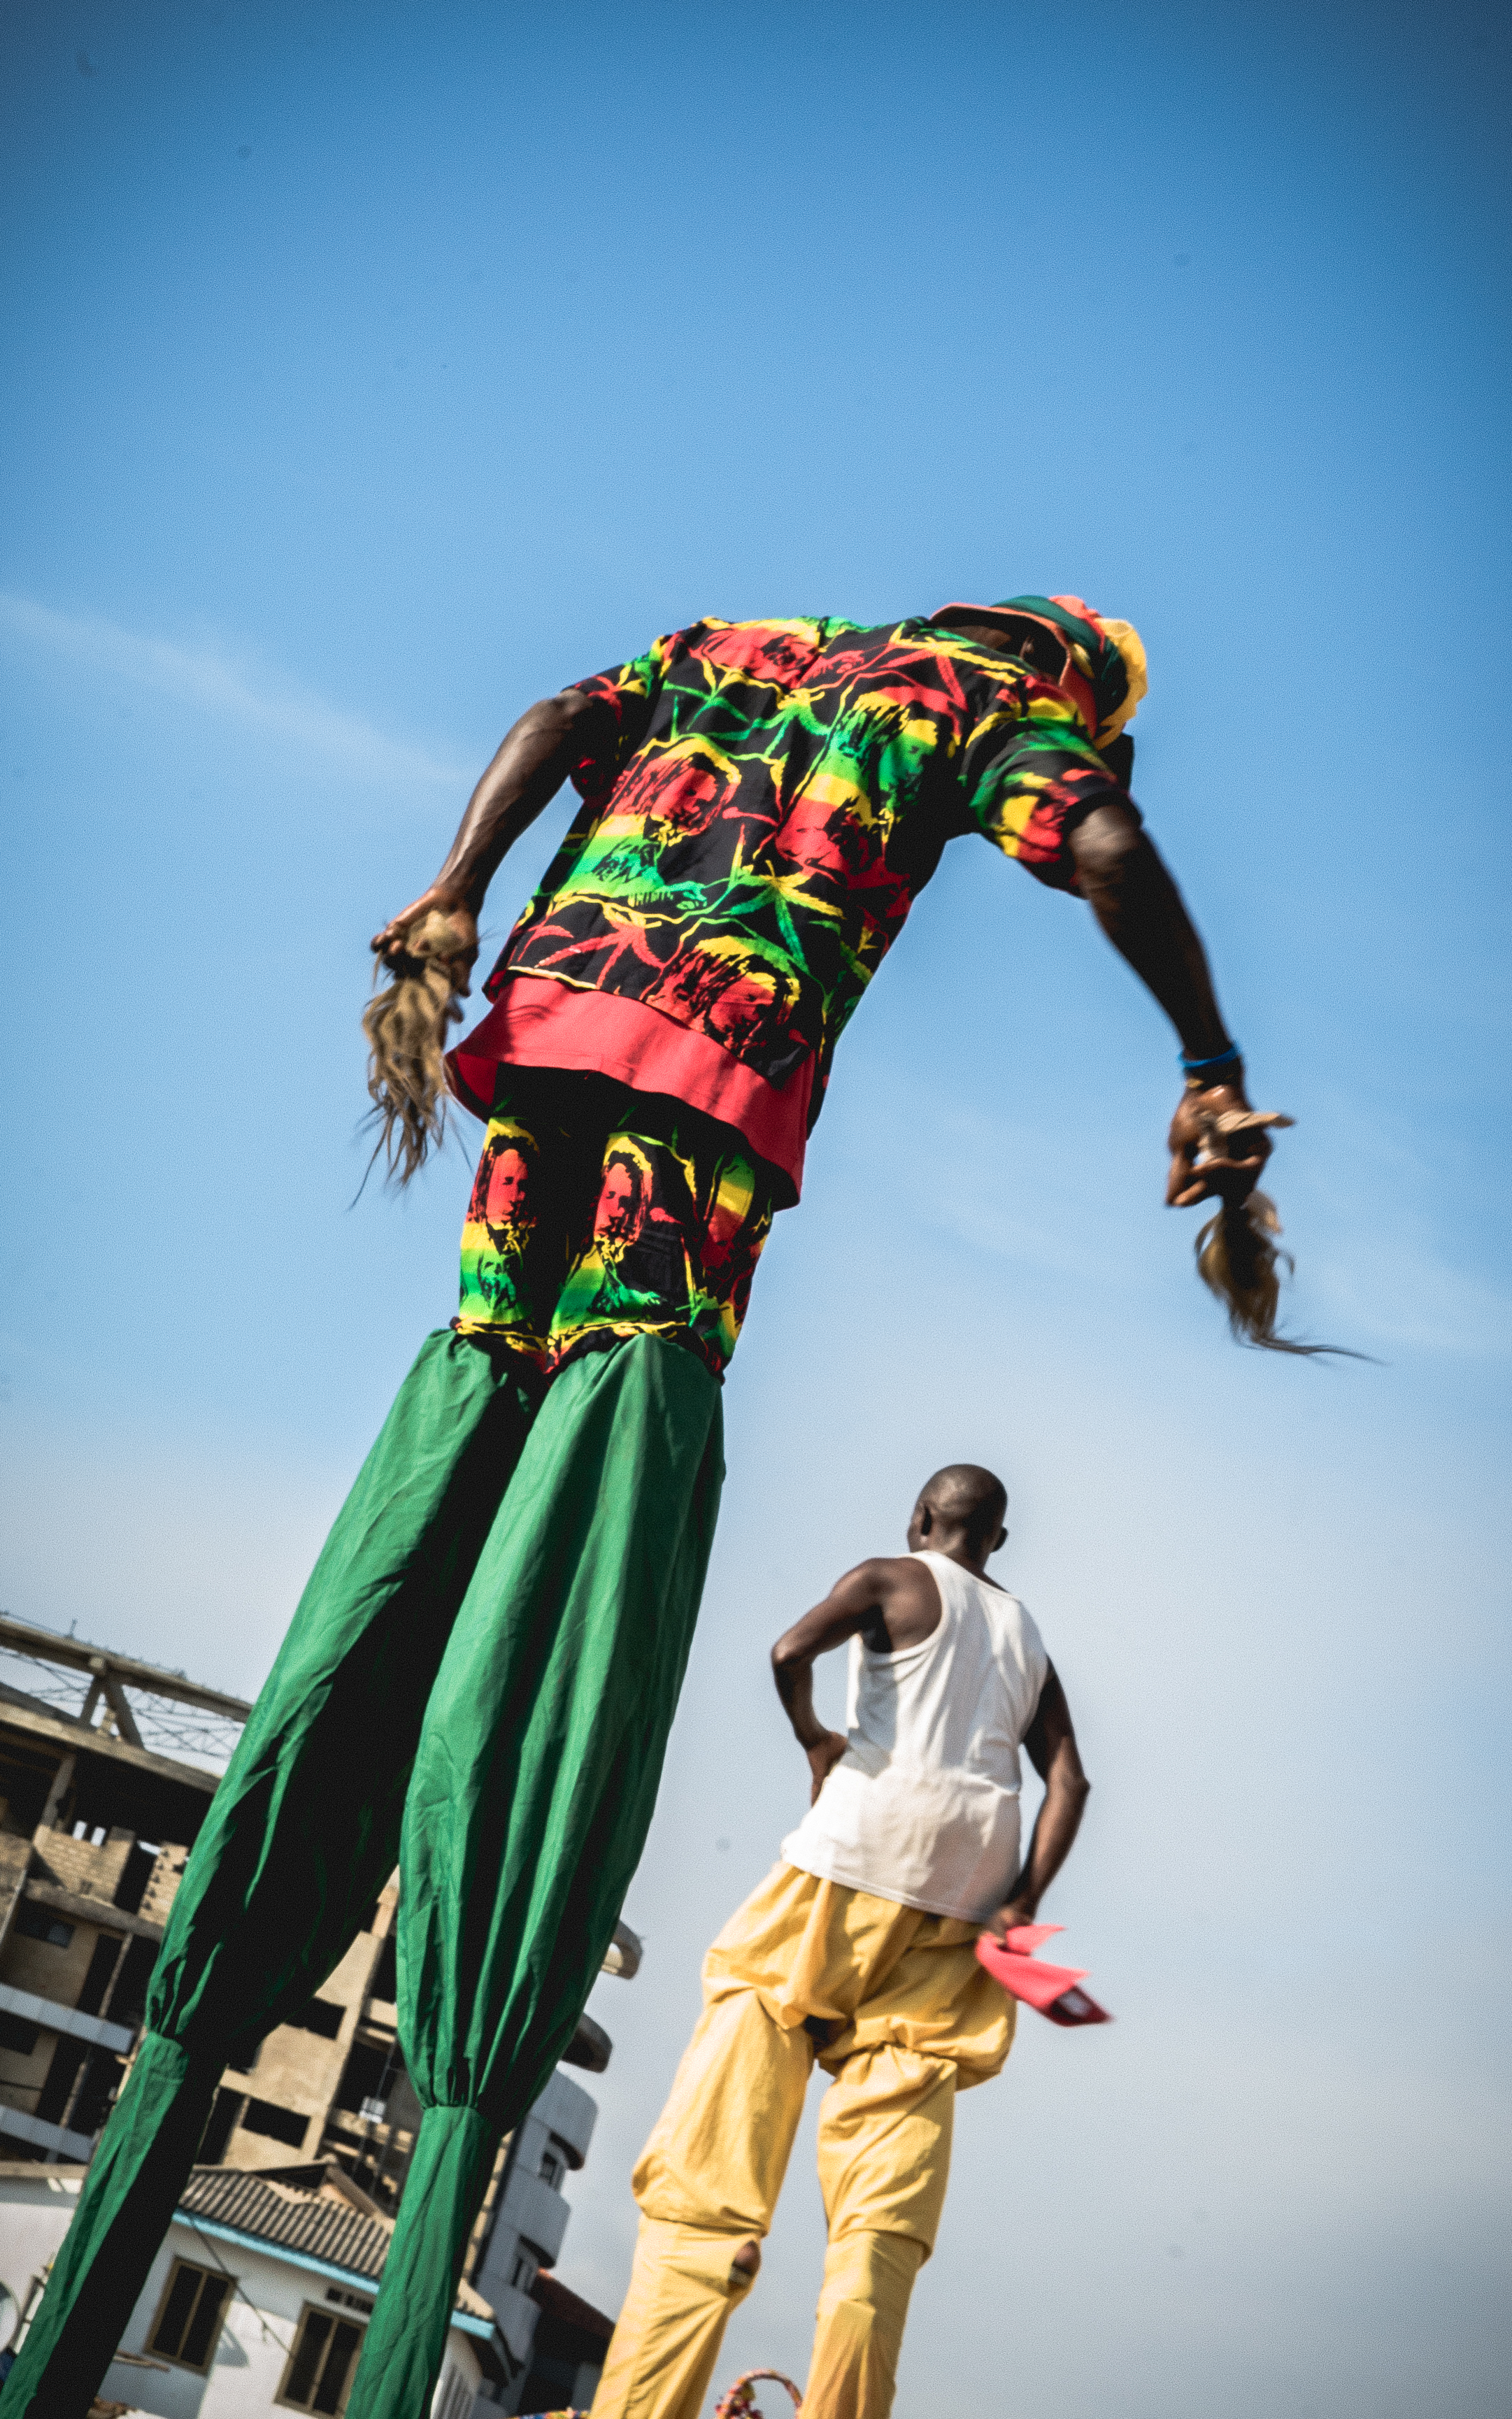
(234, 689)
(1401, 1293)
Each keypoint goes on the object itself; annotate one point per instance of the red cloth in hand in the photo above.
(1053, 1989)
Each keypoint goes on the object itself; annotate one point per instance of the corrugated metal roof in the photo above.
(303, 2217)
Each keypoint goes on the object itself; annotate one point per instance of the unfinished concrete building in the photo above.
(96, 1823)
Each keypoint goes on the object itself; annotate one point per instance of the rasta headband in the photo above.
(1109, 656)
(1104, 674)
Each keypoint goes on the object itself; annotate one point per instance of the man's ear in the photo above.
(1001, 1539)
(926, 1520)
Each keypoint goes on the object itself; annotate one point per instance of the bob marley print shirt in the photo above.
(762, 802)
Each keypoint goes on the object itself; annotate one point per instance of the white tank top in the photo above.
(923, 1807)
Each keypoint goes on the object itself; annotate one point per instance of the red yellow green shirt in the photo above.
(762, 801)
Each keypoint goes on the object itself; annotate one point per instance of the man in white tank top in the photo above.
(857, 1951)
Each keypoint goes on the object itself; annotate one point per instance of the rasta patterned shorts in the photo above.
(599, 1212)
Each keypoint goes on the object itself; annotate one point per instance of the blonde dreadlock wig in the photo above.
(1238, 1256)
(405, 1023)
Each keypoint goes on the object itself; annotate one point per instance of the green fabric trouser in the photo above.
(488, 1654)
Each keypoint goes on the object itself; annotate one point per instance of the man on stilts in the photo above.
(482, 1674)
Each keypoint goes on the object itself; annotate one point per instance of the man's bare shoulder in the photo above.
(890, 1574)
(904, 1598)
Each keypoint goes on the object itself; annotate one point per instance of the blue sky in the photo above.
(368, 370)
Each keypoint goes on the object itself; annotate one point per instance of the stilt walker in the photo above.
(480, 1678)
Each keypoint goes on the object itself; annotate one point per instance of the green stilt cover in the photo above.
(493, 1641)
(300, 1836)
(531, 1795)
(124, 2212)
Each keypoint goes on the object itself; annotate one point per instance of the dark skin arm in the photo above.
(536, 756)
(1050, 1744)
(1139, 907)
(894, 1603)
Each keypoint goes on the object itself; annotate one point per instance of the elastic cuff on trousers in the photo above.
(667, 2337)
(862, 2311)
(406, 2340)
(124, 2210)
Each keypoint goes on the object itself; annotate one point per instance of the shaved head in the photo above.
(967, 1499)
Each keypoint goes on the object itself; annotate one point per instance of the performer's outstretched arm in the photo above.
(544, 746)
(1050, 1744)
(1139, 907)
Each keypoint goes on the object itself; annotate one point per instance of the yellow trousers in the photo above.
(894, 2005)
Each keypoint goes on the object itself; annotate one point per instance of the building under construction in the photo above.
(107, 1769)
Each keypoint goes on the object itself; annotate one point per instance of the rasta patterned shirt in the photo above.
(762, 801)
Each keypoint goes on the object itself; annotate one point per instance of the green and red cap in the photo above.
(1102, 661)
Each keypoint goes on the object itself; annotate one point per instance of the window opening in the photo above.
(348, 2301)
(127, 2002)
(278, 2125)
(321, 2362)
(39, 1923)
(140, 1866)
(225, 2110)
(365, 2076)
(189, 2320)
(97, 1980)
(322, 2016)
(385, 1982)
(101, 2081)
(62, 2074)
(17, 2037)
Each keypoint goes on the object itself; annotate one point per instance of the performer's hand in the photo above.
(823, 1758)
(1018, 1910)
(1223, 1179)
(390, 943)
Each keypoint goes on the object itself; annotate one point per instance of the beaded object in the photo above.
(740, 2402)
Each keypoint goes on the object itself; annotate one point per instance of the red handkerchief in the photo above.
(1055, 1990)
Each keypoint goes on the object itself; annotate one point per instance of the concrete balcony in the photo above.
(97, 1911)
(516, 2314)
(538, 2215)
(567, 2110)
(49, 2016)
(42, 2137)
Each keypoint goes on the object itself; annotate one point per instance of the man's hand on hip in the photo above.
(822, 1757)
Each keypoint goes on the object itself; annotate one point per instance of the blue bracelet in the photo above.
(1230, 1057)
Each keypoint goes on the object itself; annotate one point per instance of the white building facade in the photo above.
(231, 2324)
(259, 2295)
